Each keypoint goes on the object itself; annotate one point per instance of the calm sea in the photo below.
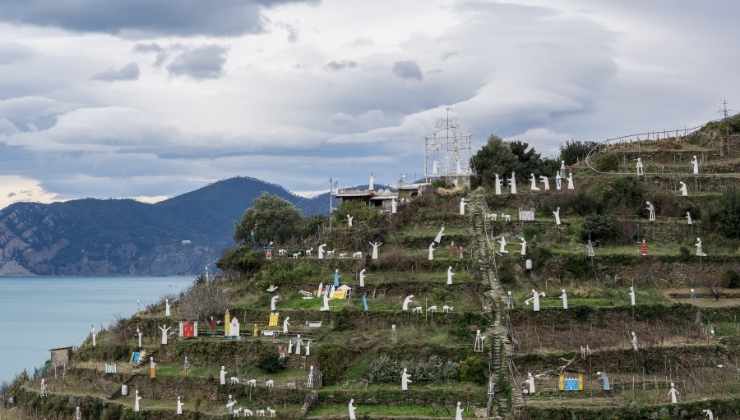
(40, 313)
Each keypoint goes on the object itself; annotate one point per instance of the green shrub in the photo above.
(728, 216)
(386, 369)
(731, 279)
(474, 369)
(272, 363)
(574, 151)
(600, 227)
(242, 259)
(684, 254)
(608, 162)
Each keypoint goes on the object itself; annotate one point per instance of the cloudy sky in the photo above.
(152, 98)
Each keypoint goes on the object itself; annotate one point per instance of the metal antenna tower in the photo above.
(447, 150)
(724, 146)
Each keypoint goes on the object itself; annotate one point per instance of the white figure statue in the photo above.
(498, 185)
(545, 182)
(137, 402)
(459, 411)
(535, 299)
(450, 274)
(695, 165)
(633, 296)
(590, 252)
(93, 335)
(273, 303)
(571, 184)
(222, 376)
(376, 246)
(523, 250)
(234, 329)
(633, 341)
(405, 380)
(639, 167)
(684, 189)
(502, 245)
(298, 344)
(533, 183)
(558, 181)
(349, 220)
(139, 335)
(530, 383)
(309, 379)
(322, 251)
(165, 334)
(651, 211)
(699, 248)
(478, 343)
(180, 404)
(689, 220)
(673, 393)
(709, 413)
(308, 348)
(286, 325)
(463, 203)
(564, 298)
(556, 213)
(325, 302)
(352, 410)
(44, 390)
(430, 254)
(362, 277)
(394, 205)
(562, 168)
(440, 234)
(167, 311)
(406, 302)
(78, 413)
(512, 183)
(371, 184)
(230, 404)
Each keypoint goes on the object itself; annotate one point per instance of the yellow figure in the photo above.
(274, 319)
(227, 324)
(256, 331)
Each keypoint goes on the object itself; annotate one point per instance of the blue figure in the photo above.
(336, 278)
(604, 379)
(364, 302)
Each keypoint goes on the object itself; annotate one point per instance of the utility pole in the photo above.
(331, 200)
(725, 142)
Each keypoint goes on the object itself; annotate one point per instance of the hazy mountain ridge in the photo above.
(118, 237)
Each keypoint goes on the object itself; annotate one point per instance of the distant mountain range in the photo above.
(126, 237)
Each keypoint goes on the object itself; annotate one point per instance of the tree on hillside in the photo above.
(728, 216)
(270, 219)
(500, 157)
(494, 158)
(575, 151)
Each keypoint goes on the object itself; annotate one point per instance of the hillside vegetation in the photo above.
(682, 329)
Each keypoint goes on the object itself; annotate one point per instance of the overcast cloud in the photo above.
(146, 98)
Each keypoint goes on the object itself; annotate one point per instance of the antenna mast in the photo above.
(447, 150)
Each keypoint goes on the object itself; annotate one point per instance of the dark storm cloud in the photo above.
(341, 65)
(407, 70)
(128, 72)
(205, 62)
(144, 17)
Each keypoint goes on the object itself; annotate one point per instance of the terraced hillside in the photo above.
(548, 364)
